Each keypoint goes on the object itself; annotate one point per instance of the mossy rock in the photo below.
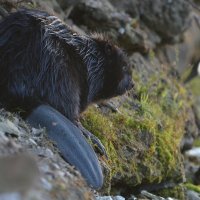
(178, 192)
(142, 139)
(193, 187)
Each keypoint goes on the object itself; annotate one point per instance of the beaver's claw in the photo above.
(96, 142)
(98, 146)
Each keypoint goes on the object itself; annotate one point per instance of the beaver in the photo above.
(42, 60)
(45, 62)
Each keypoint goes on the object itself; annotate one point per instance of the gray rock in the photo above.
(118, 198)
(97, 16)
(142, 66)
(10, 196)
(153, 196)
(102, 16)
(192, 163)
(134, 39)
(183, 55)
(130, 7)
(167, 18)
(110, 198)
(17, 173)
(197, 177)
(104, 198)
(194, 154)
(191, 195)
(35, 170)
(196, 108)
(191, 131)
(64, 4)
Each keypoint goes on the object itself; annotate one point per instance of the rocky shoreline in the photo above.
(151, 135)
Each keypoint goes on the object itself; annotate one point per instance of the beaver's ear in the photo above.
(108, 49)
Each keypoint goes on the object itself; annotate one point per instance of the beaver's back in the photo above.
(36, 62)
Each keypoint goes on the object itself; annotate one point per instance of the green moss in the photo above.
(151, 56)
(194, 86)
(197, 142)
(142, 140)
(177, 192)
(104, 129)
(190, 186)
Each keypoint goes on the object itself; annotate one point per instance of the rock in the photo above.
(10, 196)
(118, 198)
(158, 15)
(17, 173)
(168, 18)
(197, 177)
(184, 54)
(90, 12)
(64, 4)
(6, 126)
(192, 163)
(130, 7)
(151, 196)
(196, 108)
(51, 6)
(191, 195)
(194, 72)
(191, 131)
(194, 155)
(110, 198)
(134, 39)
(143, 138)
(138, 152)
(104, 198)
(154, 197)
(142, 66)
(115, 24)
(39, 172)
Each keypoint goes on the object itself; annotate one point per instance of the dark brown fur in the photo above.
(43, 61)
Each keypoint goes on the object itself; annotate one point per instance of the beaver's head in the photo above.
(115, 70)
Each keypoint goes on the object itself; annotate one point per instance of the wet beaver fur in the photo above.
(42, 60)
